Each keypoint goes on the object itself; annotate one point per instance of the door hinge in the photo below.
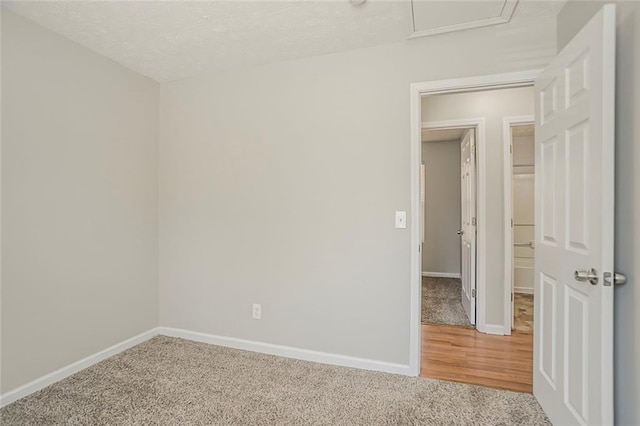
(473, 149)
(473, 293)
(512, 297)
(419, 248)
(510, 149)
(473, 221)
(512, 223)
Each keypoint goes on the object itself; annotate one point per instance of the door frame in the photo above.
(507, 123)
(480, 140)
(416, 91)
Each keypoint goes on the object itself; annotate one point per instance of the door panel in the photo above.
(468, 238)
(573, 355)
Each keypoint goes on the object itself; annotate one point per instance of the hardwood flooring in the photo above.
(464, 355)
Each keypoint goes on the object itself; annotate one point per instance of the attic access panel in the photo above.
(435, 17)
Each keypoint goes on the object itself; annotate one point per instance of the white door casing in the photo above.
(468, 223)
(573, 348)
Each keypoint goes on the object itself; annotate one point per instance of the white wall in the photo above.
(523, 150)
(523, 202)
(493, 105)
(627, 246)
(523, 197)
(278, 185)
(79, 202)
(441, 248)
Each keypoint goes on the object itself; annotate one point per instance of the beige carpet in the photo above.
(167, 381)
(523, 304)
(441, 302)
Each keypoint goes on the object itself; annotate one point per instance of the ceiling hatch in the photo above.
(435, 17)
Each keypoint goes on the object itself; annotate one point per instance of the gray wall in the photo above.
(278, 185)
(627, 252)
(441, 248)
(493, 105)
(79, 202)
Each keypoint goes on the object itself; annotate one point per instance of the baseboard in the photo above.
(266, 348)
(287, 351)
(64, 372)
(523, 290)
(494, 329)
(441, 274)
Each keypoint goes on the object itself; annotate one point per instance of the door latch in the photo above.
(616, 277)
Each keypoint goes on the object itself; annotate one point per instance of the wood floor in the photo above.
(464, 355)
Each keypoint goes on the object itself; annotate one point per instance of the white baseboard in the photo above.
(494, 329)
(287, 351)
(230, 342)
(64, 372)
(441, 274)
(523, 290)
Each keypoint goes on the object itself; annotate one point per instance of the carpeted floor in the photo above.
(441, 302)
(171, 381)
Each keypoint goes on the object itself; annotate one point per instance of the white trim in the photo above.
(507, 123)
(481, 228)
(441, 274)
(481, 206)
(496, 329)
(471, 84)
(415, 302)
(462, 123)
(64, 372)
(504, 17)
(286, 351)
(416, 91)
(523, 290)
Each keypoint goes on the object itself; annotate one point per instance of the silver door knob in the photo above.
(591, 276)
(459, 232)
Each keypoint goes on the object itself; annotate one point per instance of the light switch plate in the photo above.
(401, 220)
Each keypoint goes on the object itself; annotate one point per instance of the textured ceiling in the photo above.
(169, 40)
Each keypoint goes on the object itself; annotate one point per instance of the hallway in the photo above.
(464, 355)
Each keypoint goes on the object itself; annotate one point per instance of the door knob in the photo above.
(459, 232)
(591, 276)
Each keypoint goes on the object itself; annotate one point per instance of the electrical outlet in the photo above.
(257, 311)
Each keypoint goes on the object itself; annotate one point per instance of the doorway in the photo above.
(575, 195)
(436, 91)
(519, 184)
(444, 356)
(448, 208)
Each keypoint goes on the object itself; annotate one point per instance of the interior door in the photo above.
(468, 225)
(573, 349)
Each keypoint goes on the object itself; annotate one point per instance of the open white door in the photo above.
(573, 349)
(468, 225)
